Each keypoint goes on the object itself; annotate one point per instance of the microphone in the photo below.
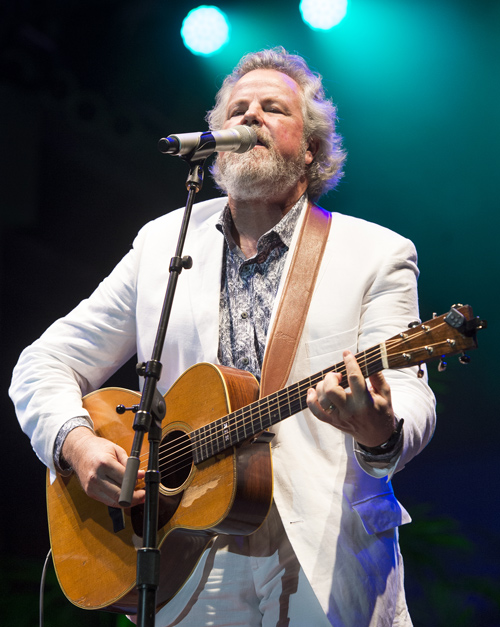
(201, 145)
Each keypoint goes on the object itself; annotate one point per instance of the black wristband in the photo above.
(388, 446)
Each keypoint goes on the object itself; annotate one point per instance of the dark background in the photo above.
(86, 90)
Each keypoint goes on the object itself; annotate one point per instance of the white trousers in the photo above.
(253, 581)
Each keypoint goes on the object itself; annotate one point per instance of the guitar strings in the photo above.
(245, 412)
(273, 400)
(366, 359)
(242, 414)
(248, 410)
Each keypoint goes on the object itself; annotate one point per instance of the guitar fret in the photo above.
(244, 424)
(287, 390)
(233, 429)
(194, 446)
(361, 359)
(203, 443)
(302, 403)
(214, 437)
(255, 421)
(218, 439)
(225, 434)
(241, 427)
(198, 449)
(267, 422)
(197, 444)
(300, 397)
(266, 417)
(275, 413)
(208, 439)
(376, 361)
(220, 445)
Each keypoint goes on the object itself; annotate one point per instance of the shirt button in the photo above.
(244, 361)
(244, 315)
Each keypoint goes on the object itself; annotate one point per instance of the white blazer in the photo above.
(341, 516)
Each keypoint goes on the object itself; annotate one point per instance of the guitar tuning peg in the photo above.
(420, 372)
(413, 324)
(464, 359)
(442, 365)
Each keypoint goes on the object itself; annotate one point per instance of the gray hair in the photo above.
(320, 114)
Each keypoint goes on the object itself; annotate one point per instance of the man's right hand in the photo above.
(99, 465)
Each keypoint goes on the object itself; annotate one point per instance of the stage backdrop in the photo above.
(86, 90)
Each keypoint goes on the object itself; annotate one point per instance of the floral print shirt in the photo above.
(248, 291)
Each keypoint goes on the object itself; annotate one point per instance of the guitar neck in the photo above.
(252, 419)
(448, 334)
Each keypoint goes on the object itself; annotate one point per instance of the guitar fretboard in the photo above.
(260, 415)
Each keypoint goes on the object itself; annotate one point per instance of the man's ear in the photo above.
(312, 149)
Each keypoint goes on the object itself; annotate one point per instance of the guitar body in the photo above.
(228, 493)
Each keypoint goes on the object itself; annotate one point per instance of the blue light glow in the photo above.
(205, 30)
(323, 14)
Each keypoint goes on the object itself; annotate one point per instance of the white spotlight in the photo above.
(323, 14)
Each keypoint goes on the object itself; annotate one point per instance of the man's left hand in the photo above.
(363, 412)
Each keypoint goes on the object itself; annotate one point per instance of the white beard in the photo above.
(258, 173)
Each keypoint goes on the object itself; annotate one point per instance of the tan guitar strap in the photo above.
(295, 300)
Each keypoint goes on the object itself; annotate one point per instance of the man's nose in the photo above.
(253, 116)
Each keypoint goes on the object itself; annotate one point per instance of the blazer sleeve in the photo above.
(389, 305)
(75, 356)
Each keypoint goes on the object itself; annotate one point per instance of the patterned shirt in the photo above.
(248, 291)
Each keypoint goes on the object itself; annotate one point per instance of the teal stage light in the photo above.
(205, 30)
(323, 14)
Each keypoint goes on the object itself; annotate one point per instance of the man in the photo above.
(328, 551)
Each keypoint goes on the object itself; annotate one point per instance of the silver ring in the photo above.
(331, 407)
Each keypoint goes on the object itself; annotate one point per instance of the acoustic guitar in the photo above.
(215, 464)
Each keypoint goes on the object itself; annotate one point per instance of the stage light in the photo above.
(205, 30)
(323, 14)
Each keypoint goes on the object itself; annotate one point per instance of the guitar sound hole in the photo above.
(176, 459)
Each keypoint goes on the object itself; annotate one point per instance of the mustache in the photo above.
(263, 138)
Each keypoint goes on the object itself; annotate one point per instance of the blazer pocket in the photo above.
(320, 353)
(381, 512)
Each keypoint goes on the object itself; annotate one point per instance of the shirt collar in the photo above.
(284, 229)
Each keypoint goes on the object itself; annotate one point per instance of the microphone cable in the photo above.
(42, 587)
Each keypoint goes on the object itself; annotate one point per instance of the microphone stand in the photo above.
(149, 417)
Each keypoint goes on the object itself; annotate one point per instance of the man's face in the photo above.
(270, 102)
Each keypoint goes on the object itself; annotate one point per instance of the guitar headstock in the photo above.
(448, 334)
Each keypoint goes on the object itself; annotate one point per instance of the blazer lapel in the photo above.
(204, 285)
